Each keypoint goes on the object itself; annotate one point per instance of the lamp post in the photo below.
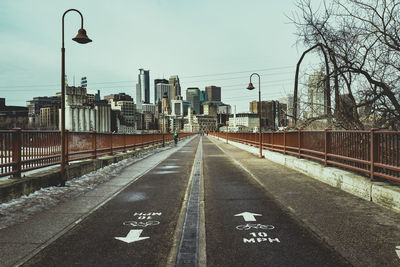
(163, 130)
(251, 87)
(81, 38)
(164, 107)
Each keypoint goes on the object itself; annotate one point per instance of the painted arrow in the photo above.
(132, 236)
(248, 216)
(398, 251)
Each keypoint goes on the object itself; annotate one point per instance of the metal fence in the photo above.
(22, 151)
(373, 153)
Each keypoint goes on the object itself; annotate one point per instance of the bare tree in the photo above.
(363, 43)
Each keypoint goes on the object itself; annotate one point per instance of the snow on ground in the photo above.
(20, 209)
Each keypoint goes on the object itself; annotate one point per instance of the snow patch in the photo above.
(20, 209)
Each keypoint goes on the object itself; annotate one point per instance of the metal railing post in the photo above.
(299, 143)
(16, 152)
(94, 144)
(284, 142)
(272, 141)
(327, 142)
(111, 143)
(373, 152)
(124, 142)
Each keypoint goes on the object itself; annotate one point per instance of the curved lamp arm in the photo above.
(72, 9)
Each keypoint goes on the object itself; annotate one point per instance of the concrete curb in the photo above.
(16, 187)
(381, 193)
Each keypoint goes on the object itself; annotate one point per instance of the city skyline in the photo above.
(245, 40)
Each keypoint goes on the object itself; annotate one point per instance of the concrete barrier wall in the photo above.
(385, 194)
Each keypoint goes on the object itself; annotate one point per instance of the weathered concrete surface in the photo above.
(20, 242)
(16, 187)
(365, 233)
(381, 193)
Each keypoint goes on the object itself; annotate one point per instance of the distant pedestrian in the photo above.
(176, 137)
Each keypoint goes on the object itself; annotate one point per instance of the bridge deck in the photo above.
(251, 212)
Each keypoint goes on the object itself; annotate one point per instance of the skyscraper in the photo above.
(176, 87)
(213, 93)
(316, 94)
(193, 96)
(157, 81)
(161, 89)
(143, 85)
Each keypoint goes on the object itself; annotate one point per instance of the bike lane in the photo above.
(246, 227)
(135, 228)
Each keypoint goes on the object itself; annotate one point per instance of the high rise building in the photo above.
(213, 93)
(176, 87)
(125, 115)
(49, 118)
(36, 104)
(203, 99)
(288, 101)
(316, 94)
(161, 89)
(273, 113)
(193, 96)
(143, 86)
(149, 108)
(157, 81)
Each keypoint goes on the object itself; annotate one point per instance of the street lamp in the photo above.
(251, 87)
(163, 107)
(81, 38)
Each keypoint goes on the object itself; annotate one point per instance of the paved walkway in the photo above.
(364, 233)
(21, 241)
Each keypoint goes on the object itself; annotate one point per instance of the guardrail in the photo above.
(22, 151)
(372, 153)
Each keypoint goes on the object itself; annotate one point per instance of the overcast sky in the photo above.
(205, 42)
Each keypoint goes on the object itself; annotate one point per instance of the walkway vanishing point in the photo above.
(206, 203)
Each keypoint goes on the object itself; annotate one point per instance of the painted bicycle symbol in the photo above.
(249, 226)
(141, 224)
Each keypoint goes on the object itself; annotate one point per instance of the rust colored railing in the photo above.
(372, 153)
(22, 151)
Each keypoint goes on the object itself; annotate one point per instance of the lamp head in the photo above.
(250, 87)
(82, 37)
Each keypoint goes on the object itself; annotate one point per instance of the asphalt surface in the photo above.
(269, 238)
(146, 213)
(212, 212)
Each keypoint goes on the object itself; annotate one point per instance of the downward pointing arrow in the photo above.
(132, 236)
(248, 216)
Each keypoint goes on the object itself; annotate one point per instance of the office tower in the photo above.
(203, 96)
(97, 96)
(157, 81)
(316, 94)
(213, 93)
(176, 87)
(161, 89)
(193, 96)
(143, 86)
